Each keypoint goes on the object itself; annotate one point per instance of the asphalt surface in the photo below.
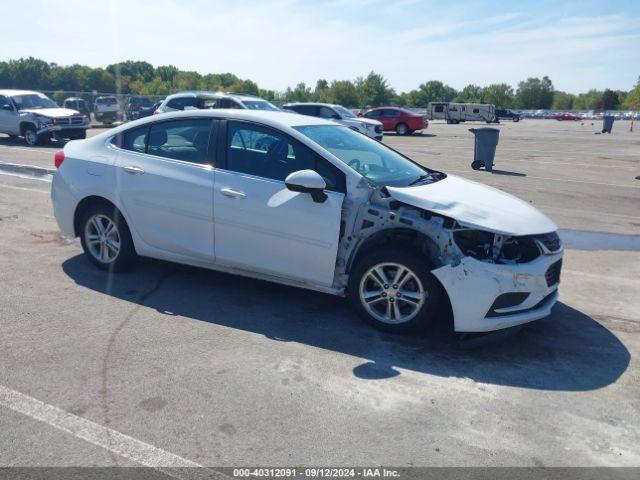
(171, 365)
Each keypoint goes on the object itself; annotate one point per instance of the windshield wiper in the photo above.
(420, 179)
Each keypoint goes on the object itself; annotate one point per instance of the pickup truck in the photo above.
(37, 118)
(106, 109)
(503, 114)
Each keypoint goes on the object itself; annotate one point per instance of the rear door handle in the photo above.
(229, 192)
(133, 170)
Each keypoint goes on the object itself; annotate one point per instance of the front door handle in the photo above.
(133, 170)
(229, 192)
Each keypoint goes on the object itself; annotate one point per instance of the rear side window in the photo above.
(326, 112)
(186, 140)
(476, 110)
(134, 140)
(439, 108)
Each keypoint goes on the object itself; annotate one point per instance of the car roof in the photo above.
(317, 104)
(386, 108)
(206, 94)
(280, 120)
(10, 93)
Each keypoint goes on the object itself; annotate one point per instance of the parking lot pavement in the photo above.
(220, 370)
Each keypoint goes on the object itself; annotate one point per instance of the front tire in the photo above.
(394, 290)
(402, 129)
(106, 239)
(31, 136)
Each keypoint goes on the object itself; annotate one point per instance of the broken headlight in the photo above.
(475, 243)
(496, 248)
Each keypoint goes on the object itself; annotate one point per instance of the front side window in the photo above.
(266, 153)
(344, 112)
(181, 103)
(326, 112)
(372, 159)
(310, 110)
(4, 102)
(391, 113)
(373, 114)
(260, 105)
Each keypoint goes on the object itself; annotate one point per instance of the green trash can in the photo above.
(486, 141)
(607, 123)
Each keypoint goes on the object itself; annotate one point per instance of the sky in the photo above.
(579, 44)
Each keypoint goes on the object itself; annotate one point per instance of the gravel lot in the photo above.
(217, 370)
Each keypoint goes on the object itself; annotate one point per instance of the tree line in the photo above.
(142, 78)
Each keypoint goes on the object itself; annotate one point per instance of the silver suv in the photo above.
(37, 118)
(339, 114)
(201, 100)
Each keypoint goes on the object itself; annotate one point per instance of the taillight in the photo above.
(58, 158)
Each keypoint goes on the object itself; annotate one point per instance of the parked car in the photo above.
(106, 109)
(134, 104)
(505, 114)
(310, 203)
(202, 100)
(37, 118)
(78, 104)
(398, 120)
(566, 116)
(148, 111)
(371, 128)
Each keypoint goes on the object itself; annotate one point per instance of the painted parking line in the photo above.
(111, 440)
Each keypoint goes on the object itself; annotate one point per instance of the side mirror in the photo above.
(8, 107)
(307, 181)
(335, 116)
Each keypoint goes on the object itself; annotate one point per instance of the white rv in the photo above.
(461, 112)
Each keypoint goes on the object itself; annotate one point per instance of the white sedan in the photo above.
(307, 202)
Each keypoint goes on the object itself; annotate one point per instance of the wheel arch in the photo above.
(411, 239)
(26, 123)
(90, 201)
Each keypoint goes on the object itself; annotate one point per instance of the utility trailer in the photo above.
(461, 112)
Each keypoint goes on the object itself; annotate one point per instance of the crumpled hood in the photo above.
(476, 205)
(52, 112)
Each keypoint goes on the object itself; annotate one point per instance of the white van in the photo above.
(461, 112)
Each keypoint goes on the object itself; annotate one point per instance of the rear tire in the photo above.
(516, 119)
(106, 239)
(477, 164)
(410, 304)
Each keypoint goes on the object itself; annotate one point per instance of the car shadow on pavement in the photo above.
(508, 173)
(569, 351)
(19, 142)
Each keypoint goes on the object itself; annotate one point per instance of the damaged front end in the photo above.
(493, 279)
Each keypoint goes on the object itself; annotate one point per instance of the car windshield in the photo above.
(344, 112)
(260, 105)
(373, 160)
(33, 101)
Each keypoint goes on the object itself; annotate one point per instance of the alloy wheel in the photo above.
(102, 238)
(392, 293)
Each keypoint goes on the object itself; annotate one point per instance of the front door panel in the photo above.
(260, 225)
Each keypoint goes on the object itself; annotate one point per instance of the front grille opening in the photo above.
(552, 274)
(537, 306)
(506, 300)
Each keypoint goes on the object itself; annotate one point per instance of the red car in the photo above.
(565, 116)
(397, 119)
